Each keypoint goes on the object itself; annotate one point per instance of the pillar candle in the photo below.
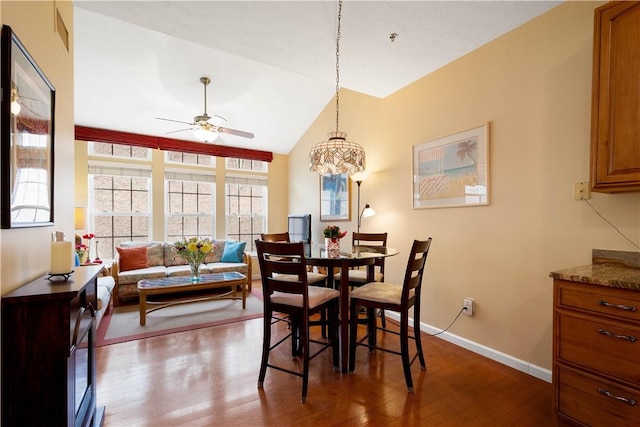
(61, 257)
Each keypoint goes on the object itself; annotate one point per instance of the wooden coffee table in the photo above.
(182, 285)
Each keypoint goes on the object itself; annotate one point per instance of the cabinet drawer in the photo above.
(605, 346)
(619, 303)
(594, 401)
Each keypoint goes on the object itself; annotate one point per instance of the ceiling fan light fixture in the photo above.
(205, 133)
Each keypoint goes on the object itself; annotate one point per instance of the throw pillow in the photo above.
(133, 258)
(233, 251)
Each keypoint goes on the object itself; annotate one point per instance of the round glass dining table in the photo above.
(358, 256)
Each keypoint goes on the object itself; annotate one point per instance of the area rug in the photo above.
(122, 323)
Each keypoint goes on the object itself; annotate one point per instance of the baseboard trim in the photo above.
(498, 356)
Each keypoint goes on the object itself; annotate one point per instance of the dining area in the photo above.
(315, 285)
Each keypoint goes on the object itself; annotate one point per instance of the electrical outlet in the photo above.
(468, 306)
(581, 190)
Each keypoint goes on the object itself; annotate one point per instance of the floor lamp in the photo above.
(368, 211)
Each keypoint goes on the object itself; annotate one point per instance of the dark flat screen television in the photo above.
(300, 228)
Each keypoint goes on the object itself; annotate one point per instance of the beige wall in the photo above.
(534, 86)
(24, 253)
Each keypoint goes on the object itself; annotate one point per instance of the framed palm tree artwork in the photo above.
(452, 171)
(335, 197)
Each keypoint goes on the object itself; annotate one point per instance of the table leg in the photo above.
(244, 294)
(143, 307)
(344, 314)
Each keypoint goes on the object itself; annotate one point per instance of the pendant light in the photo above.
(337, 155)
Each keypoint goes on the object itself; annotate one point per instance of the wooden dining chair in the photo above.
(400, 298)
(313, 278)
(358, 276)
(283, 269)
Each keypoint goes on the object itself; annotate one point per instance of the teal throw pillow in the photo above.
(233, 251)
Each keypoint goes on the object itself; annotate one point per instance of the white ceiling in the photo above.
(271, 63)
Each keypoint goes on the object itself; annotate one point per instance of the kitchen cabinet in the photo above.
(615, 106)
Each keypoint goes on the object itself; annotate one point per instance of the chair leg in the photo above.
(304, 332)
(372, 328)
(417, 336)
(404, 349)
(295, 336)
(266, 344)
(383, 319)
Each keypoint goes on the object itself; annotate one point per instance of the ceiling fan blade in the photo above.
(236, 132)
(176, 131)
(177, 121)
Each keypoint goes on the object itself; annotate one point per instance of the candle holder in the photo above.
(65, 276)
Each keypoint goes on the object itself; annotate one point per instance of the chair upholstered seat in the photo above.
(317, 296)
(360, 276)
(312, 277)
(386, 293)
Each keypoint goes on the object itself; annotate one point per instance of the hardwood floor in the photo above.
(208, 377)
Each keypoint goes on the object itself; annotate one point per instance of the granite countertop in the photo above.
(619, 269)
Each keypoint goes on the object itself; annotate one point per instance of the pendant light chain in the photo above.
(338, 67)
(336, 155)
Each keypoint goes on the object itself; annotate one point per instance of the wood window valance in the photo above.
(85, 133)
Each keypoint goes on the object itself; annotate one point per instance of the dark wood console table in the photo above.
(48, 352)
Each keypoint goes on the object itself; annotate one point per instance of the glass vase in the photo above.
(333, 246)
(195, 272)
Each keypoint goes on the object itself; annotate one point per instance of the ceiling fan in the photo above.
(204, 127)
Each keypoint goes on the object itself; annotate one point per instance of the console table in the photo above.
(48, 352)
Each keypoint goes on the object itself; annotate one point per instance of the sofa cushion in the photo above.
(132, 258)
(233, 251)
(133, 276)
(223, 267)
(105, 288)
(216, 254)
(155, 250)
(171, 256)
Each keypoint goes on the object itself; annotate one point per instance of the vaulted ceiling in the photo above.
(272, 64)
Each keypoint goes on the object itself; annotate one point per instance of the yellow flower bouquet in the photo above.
(194, 251)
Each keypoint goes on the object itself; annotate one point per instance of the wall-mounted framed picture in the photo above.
(26, 138)
(335, 197)
(452, 171)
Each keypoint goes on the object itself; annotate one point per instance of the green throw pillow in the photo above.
(233, 251)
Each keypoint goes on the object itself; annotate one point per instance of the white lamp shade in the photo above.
(81, 218)
(368, 211)
(205, 135)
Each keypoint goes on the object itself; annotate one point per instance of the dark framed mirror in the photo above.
(26, 138)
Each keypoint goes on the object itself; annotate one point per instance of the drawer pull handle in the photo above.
(620, 306)
(629, 338)
(631, 402)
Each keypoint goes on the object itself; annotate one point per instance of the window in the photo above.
(120, 203)
(246, 165)
(119, 150)
(245, 208)
(190, 207)
(189, 158)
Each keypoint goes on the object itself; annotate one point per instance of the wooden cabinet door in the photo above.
(615, 119)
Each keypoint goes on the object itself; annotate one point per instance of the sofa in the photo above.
(135, 261)
(105, 292)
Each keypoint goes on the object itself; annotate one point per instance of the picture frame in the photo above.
(452, 171)
(335, 197)
(26, 138)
